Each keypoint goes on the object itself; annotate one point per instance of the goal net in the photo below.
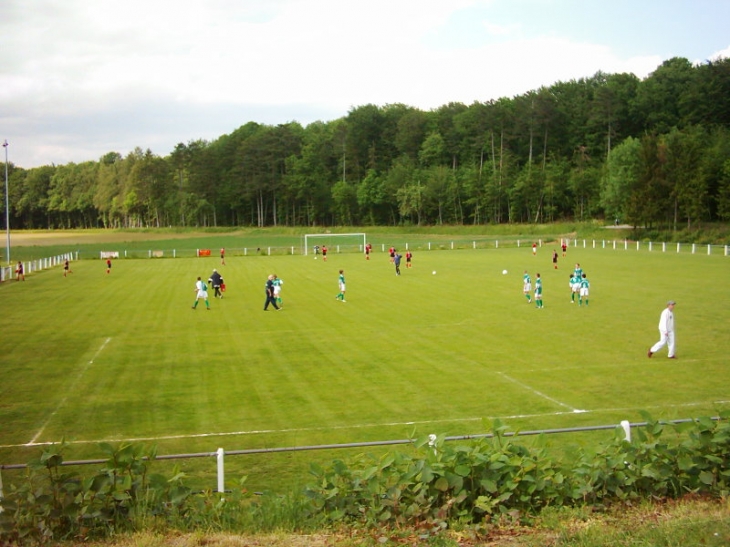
(335, 243)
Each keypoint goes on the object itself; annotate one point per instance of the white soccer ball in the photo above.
(433, 272)
(315, 258)
(504, 272)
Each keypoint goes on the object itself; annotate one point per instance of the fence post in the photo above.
(709, 249)
(627, 429)
(221, 475)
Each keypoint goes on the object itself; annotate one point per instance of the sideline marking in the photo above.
(62, 402)
(540, 394)
(361, 426)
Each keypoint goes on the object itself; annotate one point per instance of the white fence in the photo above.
(455, 244)
(8, 273)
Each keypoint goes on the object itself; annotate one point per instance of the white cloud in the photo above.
(89, 76)
(722, 54)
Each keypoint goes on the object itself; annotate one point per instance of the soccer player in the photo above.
(564, 246)
(324, 253)
(534, 249)
(409, 255)
(277, 289)
(368, 248)
(19, 272)
(66, 268)
(108, 265)
(527, 286)
(555, 259)
(574, 286)
(396, 260)
(223, 257)
(201, 291)
(341, 284)
(578, 271)
(391, 252)
(584, 286)
(538, 291)
(270, 299)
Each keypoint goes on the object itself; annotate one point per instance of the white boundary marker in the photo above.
(62, 402)
(540, 394)
(362, 426)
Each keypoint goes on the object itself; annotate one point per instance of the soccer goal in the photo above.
(336, 243)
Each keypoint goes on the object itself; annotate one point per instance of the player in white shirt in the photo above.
(666, 331)
(201, 291)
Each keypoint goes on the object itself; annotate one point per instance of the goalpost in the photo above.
(335, 242)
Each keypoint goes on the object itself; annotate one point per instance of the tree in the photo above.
(620, 176)
(32, 204)
(662, 99)
(683, 170)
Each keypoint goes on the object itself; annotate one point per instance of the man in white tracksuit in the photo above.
(666, 331)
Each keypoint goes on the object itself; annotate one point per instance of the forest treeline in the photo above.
(652, 152)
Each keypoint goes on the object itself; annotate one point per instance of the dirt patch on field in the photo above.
(70, 237)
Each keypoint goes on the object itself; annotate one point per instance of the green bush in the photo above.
(494, 479)
(436, 486)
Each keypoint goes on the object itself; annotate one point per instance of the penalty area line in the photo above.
(62, 402)
(540, 394)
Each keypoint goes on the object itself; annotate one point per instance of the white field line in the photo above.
(361, 426)
(67, 391)
(539, 394)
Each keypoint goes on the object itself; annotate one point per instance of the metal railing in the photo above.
(220, 453)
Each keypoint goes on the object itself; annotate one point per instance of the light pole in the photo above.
(7, 206)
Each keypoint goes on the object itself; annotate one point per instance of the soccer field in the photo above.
(95, 357)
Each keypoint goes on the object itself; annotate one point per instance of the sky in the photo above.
(80, 78)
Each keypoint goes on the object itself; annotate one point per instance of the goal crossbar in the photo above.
(309, 239)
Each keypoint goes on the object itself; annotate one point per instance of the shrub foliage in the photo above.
(438, 485)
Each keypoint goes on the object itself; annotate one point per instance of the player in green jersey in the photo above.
(341, 283)
(574, 287)
(584, 286)
(527, 286)
(278, 282)
(538, 291)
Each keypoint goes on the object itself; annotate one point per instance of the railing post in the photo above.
(221, 474)
(627, 429)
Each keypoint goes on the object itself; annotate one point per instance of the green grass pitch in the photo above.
(95, 357)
